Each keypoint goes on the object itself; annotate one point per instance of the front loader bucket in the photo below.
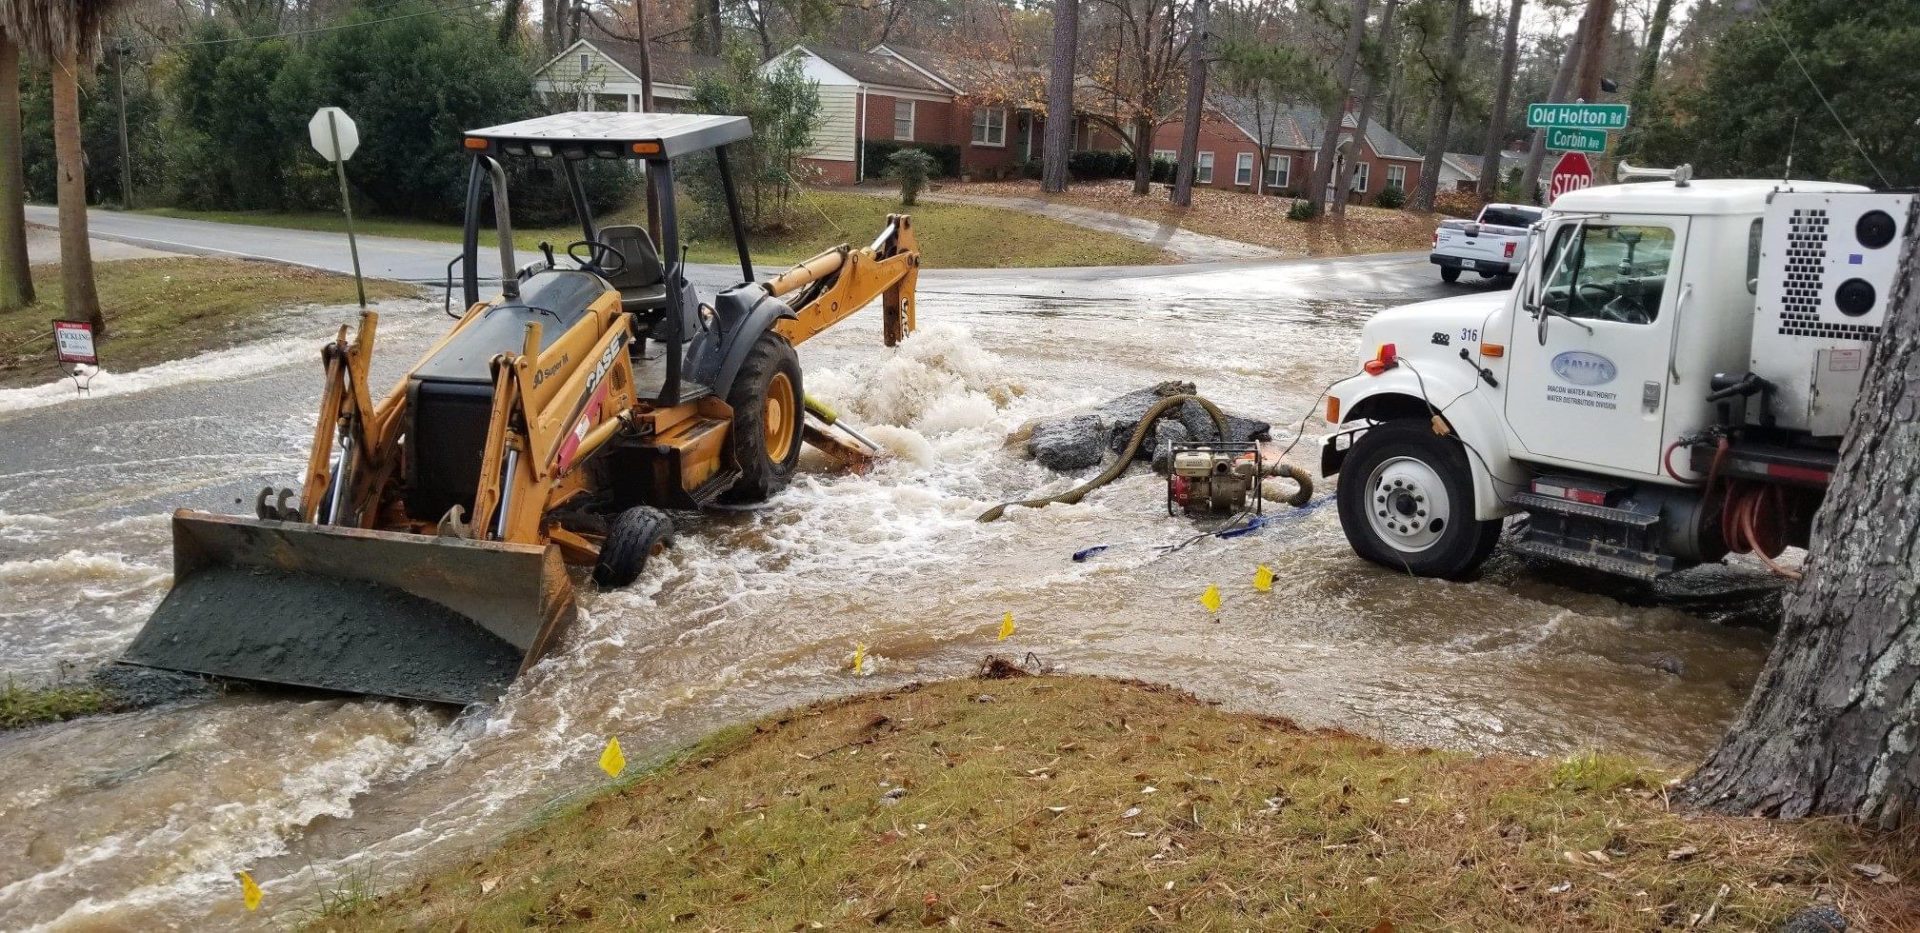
(418, 617)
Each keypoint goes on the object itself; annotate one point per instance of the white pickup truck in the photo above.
(1493, 244)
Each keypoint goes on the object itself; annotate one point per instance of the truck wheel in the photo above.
(767, 414)
(1406, 502)
(1449, 274)
(635, 535)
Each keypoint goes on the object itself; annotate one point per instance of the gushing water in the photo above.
(139, 819)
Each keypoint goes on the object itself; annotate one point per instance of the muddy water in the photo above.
(137, 820)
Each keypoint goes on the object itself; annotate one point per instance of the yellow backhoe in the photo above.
(425, 553)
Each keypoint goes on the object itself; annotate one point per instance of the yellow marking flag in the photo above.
(249, 892)
(1211, 598)
(1263, 578)
(859, 656)
(1006, 626)
(612, 760)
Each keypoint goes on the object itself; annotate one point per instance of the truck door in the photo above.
(1588, 379)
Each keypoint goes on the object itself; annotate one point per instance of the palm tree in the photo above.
(16, 278)
(65, 34)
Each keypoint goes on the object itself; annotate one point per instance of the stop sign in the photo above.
(1571, 173)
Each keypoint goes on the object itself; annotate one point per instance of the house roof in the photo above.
(670, 65)
(1469, 164)
(977, 77)
(1385, 143)
(1256, 118)
(871, 68)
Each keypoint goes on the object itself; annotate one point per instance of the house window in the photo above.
(1397, 177)
(1361, 173)
(1279, 170)
(1203, 170)
(903, 119)
(586, 65)
(1243, 169)
(989, 126)
(1163, 155)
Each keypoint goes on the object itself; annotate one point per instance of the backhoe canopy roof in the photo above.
(610, 135)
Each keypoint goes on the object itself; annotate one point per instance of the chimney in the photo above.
(1353, 104)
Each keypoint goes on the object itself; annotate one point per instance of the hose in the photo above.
(1125, 459)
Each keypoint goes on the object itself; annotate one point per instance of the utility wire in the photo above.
(317, 29)
(1781, 36)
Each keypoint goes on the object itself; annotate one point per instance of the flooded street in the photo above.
(138, 820)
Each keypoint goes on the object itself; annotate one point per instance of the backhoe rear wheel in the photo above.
(765, 440)
(635, 536)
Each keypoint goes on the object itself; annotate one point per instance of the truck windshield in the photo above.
(1508, 217)
(1614, 273)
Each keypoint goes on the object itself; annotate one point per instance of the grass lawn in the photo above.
(1248, 218)
(21, 707)
(951, 236)
(1088, 804)
(165, 309)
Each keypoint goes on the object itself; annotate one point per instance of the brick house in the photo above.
(974, 109)
(1268, 148)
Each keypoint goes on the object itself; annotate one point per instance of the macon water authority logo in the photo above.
(1585, 369)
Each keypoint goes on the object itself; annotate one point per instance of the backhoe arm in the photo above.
(830, 287)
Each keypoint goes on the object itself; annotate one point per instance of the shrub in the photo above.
(1032, 169)
(784, 106)
(911, 168)
(1090, 164)
(879, 153)
(1301, 210)
(1162, 170)
(1391, 198)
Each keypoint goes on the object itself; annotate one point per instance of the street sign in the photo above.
(1565, 140)
(332, 130)
(335, 137)
(1571, 173)
(73, 342)
(1577, 116)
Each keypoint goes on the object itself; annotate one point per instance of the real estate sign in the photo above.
(1560, 139)
(1577, 116)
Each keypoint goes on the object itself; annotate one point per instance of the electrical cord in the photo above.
(1440, 419)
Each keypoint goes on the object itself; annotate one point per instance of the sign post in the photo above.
(73, 346)
(334, 135)
(1571, 173)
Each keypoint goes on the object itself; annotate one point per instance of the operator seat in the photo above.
(642, 281)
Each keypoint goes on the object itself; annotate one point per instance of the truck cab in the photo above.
(1668, 381)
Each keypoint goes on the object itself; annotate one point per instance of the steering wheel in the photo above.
(597, 253)
(1624, 310)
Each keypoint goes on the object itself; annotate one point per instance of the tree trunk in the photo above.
(1490, 170)
(1833, 726)
(1142, 154)
(1366, 100)
(1057, 144)
(1196, 103)
(1594, 27)
(16, 277)
(1331, 112)
(76, 256)
(706, 27)
(1443, 117)
(1647, 79)
(1530, 179)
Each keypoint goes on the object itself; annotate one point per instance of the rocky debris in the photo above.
(1670, 664)
(131, 687)
(1069, 444)
(1076, 441)
(1819, 918)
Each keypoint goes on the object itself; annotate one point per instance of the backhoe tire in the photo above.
(1406, 502)
(635, 536)
(1449, 274)
(764, 443)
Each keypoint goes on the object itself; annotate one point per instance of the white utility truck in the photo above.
(1493, 244)
(1667, 383)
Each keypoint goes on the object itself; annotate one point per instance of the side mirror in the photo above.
(1540, 326)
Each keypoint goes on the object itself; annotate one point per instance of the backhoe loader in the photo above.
(425, 552)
